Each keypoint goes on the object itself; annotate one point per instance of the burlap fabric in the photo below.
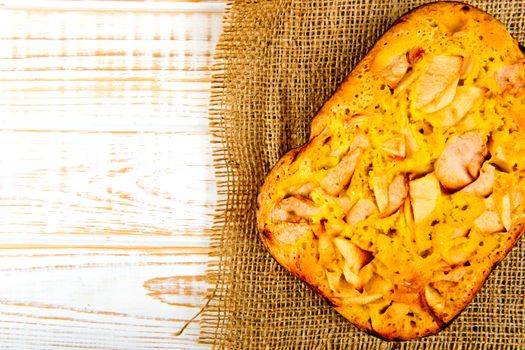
(277, 62)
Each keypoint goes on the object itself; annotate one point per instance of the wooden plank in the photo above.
(105, 183)
(152, 99)
(107, 187)
(115, 298)
(207, 6)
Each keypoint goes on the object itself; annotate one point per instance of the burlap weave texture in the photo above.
(277, 62)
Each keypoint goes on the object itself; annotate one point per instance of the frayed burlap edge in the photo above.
(212, 320)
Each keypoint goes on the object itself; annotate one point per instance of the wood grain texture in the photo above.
(107, 186)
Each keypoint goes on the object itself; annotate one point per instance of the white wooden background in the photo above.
(106, 180)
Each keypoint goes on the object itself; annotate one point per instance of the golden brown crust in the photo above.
(400, 204)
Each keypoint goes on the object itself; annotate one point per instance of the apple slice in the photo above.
(279, 214)
(443, 100)
(362, 299)
(380, 189)
(361, 210)
(395, 147)
(397, 193)
(489, 222)
(395, 70)
(326, 250)
(434, 300)
(389, 198)
(511, 79)
(407, 81)
(287, 232)
(411, 144)
(334, 280)
(457, 273)
(334, 228)
(300, 206)
(352, 277)
(354, 256)
(437, 85)
(461, 160)
(518, 194)
(424, 195)
(498, 156)
(378, 285)
(339, 176)
(467, 66)
(484, 185)
(462, 103)
(505, 212)
(304, 189)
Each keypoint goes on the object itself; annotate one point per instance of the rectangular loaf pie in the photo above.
(411, 187)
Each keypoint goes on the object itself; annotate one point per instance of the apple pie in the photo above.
(411, 187)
